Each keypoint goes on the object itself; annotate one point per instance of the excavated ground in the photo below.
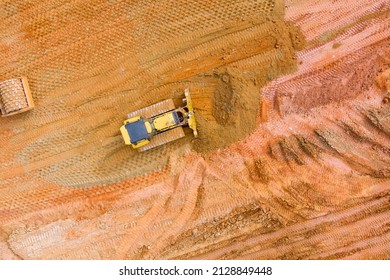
(292, 101)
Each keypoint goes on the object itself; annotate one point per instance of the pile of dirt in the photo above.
(383, 80)
(236, 97)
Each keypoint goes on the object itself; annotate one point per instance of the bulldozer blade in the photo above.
(191, 119)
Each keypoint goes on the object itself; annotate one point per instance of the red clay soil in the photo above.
(292, 101)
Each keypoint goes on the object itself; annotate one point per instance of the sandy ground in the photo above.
(292, 101)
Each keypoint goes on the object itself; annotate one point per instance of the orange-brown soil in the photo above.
(292, 102)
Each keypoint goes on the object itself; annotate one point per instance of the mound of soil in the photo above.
(383, 80)
(235, 101)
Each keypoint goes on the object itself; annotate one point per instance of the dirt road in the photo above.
(292, 103)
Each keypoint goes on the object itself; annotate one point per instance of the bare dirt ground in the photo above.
(292, 101)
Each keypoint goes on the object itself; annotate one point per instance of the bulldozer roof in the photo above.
(137, 131)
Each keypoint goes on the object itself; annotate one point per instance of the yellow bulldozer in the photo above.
(158, 124)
